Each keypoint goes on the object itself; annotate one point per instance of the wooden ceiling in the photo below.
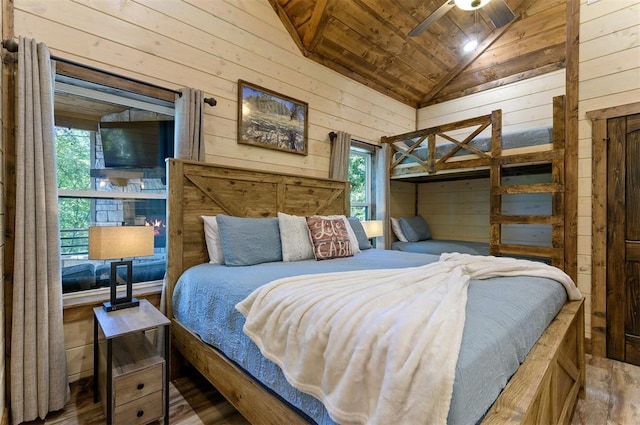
(366, 40)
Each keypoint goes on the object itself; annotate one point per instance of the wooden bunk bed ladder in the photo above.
(556, 188)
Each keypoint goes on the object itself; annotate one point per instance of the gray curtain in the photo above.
(38, 364)
(188, 144)
(383, 179)
(339, 163)
(189, 140)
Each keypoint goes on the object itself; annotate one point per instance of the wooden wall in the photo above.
(208, 45)
(459, 210)
(526, 104)
(609, 76)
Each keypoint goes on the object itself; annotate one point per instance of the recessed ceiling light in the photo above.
(470, 45)
(470, 4)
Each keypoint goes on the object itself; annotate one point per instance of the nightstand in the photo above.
(129, 375)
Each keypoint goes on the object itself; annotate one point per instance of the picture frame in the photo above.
(271, 120)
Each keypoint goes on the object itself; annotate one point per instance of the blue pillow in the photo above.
(415, 228)
(363, 241)
(248, 241)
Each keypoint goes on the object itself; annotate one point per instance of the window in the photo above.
(360, 176)
(110, 156)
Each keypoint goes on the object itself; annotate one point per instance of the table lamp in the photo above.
(372, 228)
(112, 242)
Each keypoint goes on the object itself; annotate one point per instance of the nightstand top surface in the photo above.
(122, 322)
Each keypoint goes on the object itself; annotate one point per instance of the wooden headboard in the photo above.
(196, 189)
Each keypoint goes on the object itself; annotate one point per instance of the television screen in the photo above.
(136, 144)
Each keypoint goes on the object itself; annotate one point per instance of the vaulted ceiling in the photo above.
(367, 40)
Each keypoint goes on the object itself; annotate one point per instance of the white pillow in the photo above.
(355, 245)
(212, 238)
(395, 226)
(294, 235)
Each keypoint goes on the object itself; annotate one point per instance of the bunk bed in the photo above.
(544, 389)
(475, 147)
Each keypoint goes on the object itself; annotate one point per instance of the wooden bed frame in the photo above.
(543, 390)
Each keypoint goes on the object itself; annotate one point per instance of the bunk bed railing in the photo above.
(404, 146)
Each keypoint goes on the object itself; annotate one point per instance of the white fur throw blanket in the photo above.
(377, 346)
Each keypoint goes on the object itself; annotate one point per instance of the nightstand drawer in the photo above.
(138, 384)
(139, 411)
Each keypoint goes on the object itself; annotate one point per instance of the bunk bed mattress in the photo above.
(437, 247)
(533, 137)
(505, 317)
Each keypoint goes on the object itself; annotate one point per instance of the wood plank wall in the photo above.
(210, 45)
(459, 210)
(609, 76)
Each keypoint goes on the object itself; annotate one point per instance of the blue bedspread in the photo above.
(437, 247)
(505, 317)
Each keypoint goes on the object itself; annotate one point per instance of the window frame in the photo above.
(366, 151)
(133, 95)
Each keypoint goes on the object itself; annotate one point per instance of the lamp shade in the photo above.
(470, 4)
(373, 228)
(109, 242)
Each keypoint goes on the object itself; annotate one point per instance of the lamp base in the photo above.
(109, 306)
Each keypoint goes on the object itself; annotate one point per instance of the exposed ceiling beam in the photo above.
(291, 29)
(319, 18)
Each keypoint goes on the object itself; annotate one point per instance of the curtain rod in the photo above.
(11, 45)
(333, 135)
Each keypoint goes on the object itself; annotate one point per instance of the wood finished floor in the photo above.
(613, 398)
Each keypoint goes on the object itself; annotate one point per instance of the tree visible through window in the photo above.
(73, 148)
(360, 178)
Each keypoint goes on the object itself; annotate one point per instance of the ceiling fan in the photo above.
(498, 12)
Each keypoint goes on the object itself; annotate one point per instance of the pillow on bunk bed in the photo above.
(295, 239)
(212, 238)
(330, 237)
(361, 235)
(397, 230)
(415, 228)
(249, 241)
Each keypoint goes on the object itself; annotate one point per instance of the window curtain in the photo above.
(189, 140)
(339, 163)
(38, 364)
(382, 180)
(188, 144)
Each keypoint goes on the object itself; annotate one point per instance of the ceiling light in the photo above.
(470, 4)
(470, 45)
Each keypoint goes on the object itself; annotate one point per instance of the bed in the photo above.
(476, 147)
(543, 390)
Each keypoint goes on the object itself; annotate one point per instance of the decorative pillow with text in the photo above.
(330, 238)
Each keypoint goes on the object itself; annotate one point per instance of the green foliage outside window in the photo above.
(73, 158)
(358, 179)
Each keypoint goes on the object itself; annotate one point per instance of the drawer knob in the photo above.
(140, 413)
(140, 386)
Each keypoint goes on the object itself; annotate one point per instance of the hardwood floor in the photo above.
(613, 398)
(613, 394)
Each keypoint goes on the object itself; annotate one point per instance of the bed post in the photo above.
(174, 229)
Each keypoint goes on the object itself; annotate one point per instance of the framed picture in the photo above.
(271, 120)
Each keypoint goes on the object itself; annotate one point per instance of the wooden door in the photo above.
(623, 239)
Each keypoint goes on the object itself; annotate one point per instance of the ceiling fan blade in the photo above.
(499, 12)
(437, 14)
